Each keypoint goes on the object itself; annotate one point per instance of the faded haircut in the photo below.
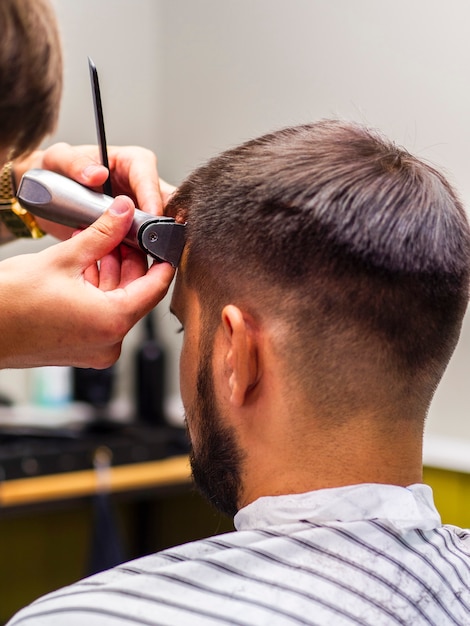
(361, 249)
(30, 74)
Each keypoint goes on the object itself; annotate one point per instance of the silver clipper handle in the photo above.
(64, 201)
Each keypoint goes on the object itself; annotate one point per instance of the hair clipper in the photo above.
(62, 200)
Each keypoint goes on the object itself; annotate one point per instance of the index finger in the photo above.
(81, 163)
(134, 171)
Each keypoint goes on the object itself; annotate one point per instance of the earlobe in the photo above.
(241, 355)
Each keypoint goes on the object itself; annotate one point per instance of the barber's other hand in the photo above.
(59, 307)
(133, 173)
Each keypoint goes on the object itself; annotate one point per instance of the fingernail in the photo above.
(119, 206)
(91, 170)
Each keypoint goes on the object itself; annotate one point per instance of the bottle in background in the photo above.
(94, 387)
(51, 386)
(150, 377)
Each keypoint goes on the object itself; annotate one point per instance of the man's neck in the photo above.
(358, 451)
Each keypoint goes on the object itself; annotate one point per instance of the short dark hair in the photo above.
(30, 74)
(360, 247)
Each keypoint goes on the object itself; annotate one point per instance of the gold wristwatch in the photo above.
(18, 220)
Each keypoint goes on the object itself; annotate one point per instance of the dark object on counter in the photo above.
(95, 387)
(150, 377)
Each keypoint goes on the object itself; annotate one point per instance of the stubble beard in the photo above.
(217, 463)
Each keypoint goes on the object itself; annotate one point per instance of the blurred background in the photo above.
(189, 78)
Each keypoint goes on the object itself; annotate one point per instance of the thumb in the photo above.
(104, 235)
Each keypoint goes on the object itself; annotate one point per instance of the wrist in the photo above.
(20, 166)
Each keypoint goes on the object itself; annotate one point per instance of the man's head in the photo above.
(350, 254)
(30, 74)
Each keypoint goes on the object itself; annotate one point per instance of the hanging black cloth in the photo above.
(106, 549)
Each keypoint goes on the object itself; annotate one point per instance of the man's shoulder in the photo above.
(279, 574)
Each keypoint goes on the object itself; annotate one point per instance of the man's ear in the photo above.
(242, 353)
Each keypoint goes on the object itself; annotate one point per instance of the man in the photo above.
(321, 294)
(56, 307)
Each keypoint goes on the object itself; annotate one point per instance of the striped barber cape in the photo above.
(365, 554)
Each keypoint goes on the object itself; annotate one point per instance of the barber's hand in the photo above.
(133, 173)
(58, 307)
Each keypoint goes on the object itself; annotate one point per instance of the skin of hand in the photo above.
(133, 173)
(63, 306)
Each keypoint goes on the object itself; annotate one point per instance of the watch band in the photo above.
(18, 220)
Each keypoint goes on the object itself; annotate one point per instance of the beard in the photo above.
(216, 464)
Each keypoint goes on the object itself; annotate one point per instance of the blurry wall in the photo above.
(189, 78)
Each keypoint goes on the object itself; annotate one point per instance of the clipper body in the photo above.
(62, 200)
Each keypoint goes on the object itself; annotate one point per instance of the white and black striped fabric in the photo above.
(361, 555)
